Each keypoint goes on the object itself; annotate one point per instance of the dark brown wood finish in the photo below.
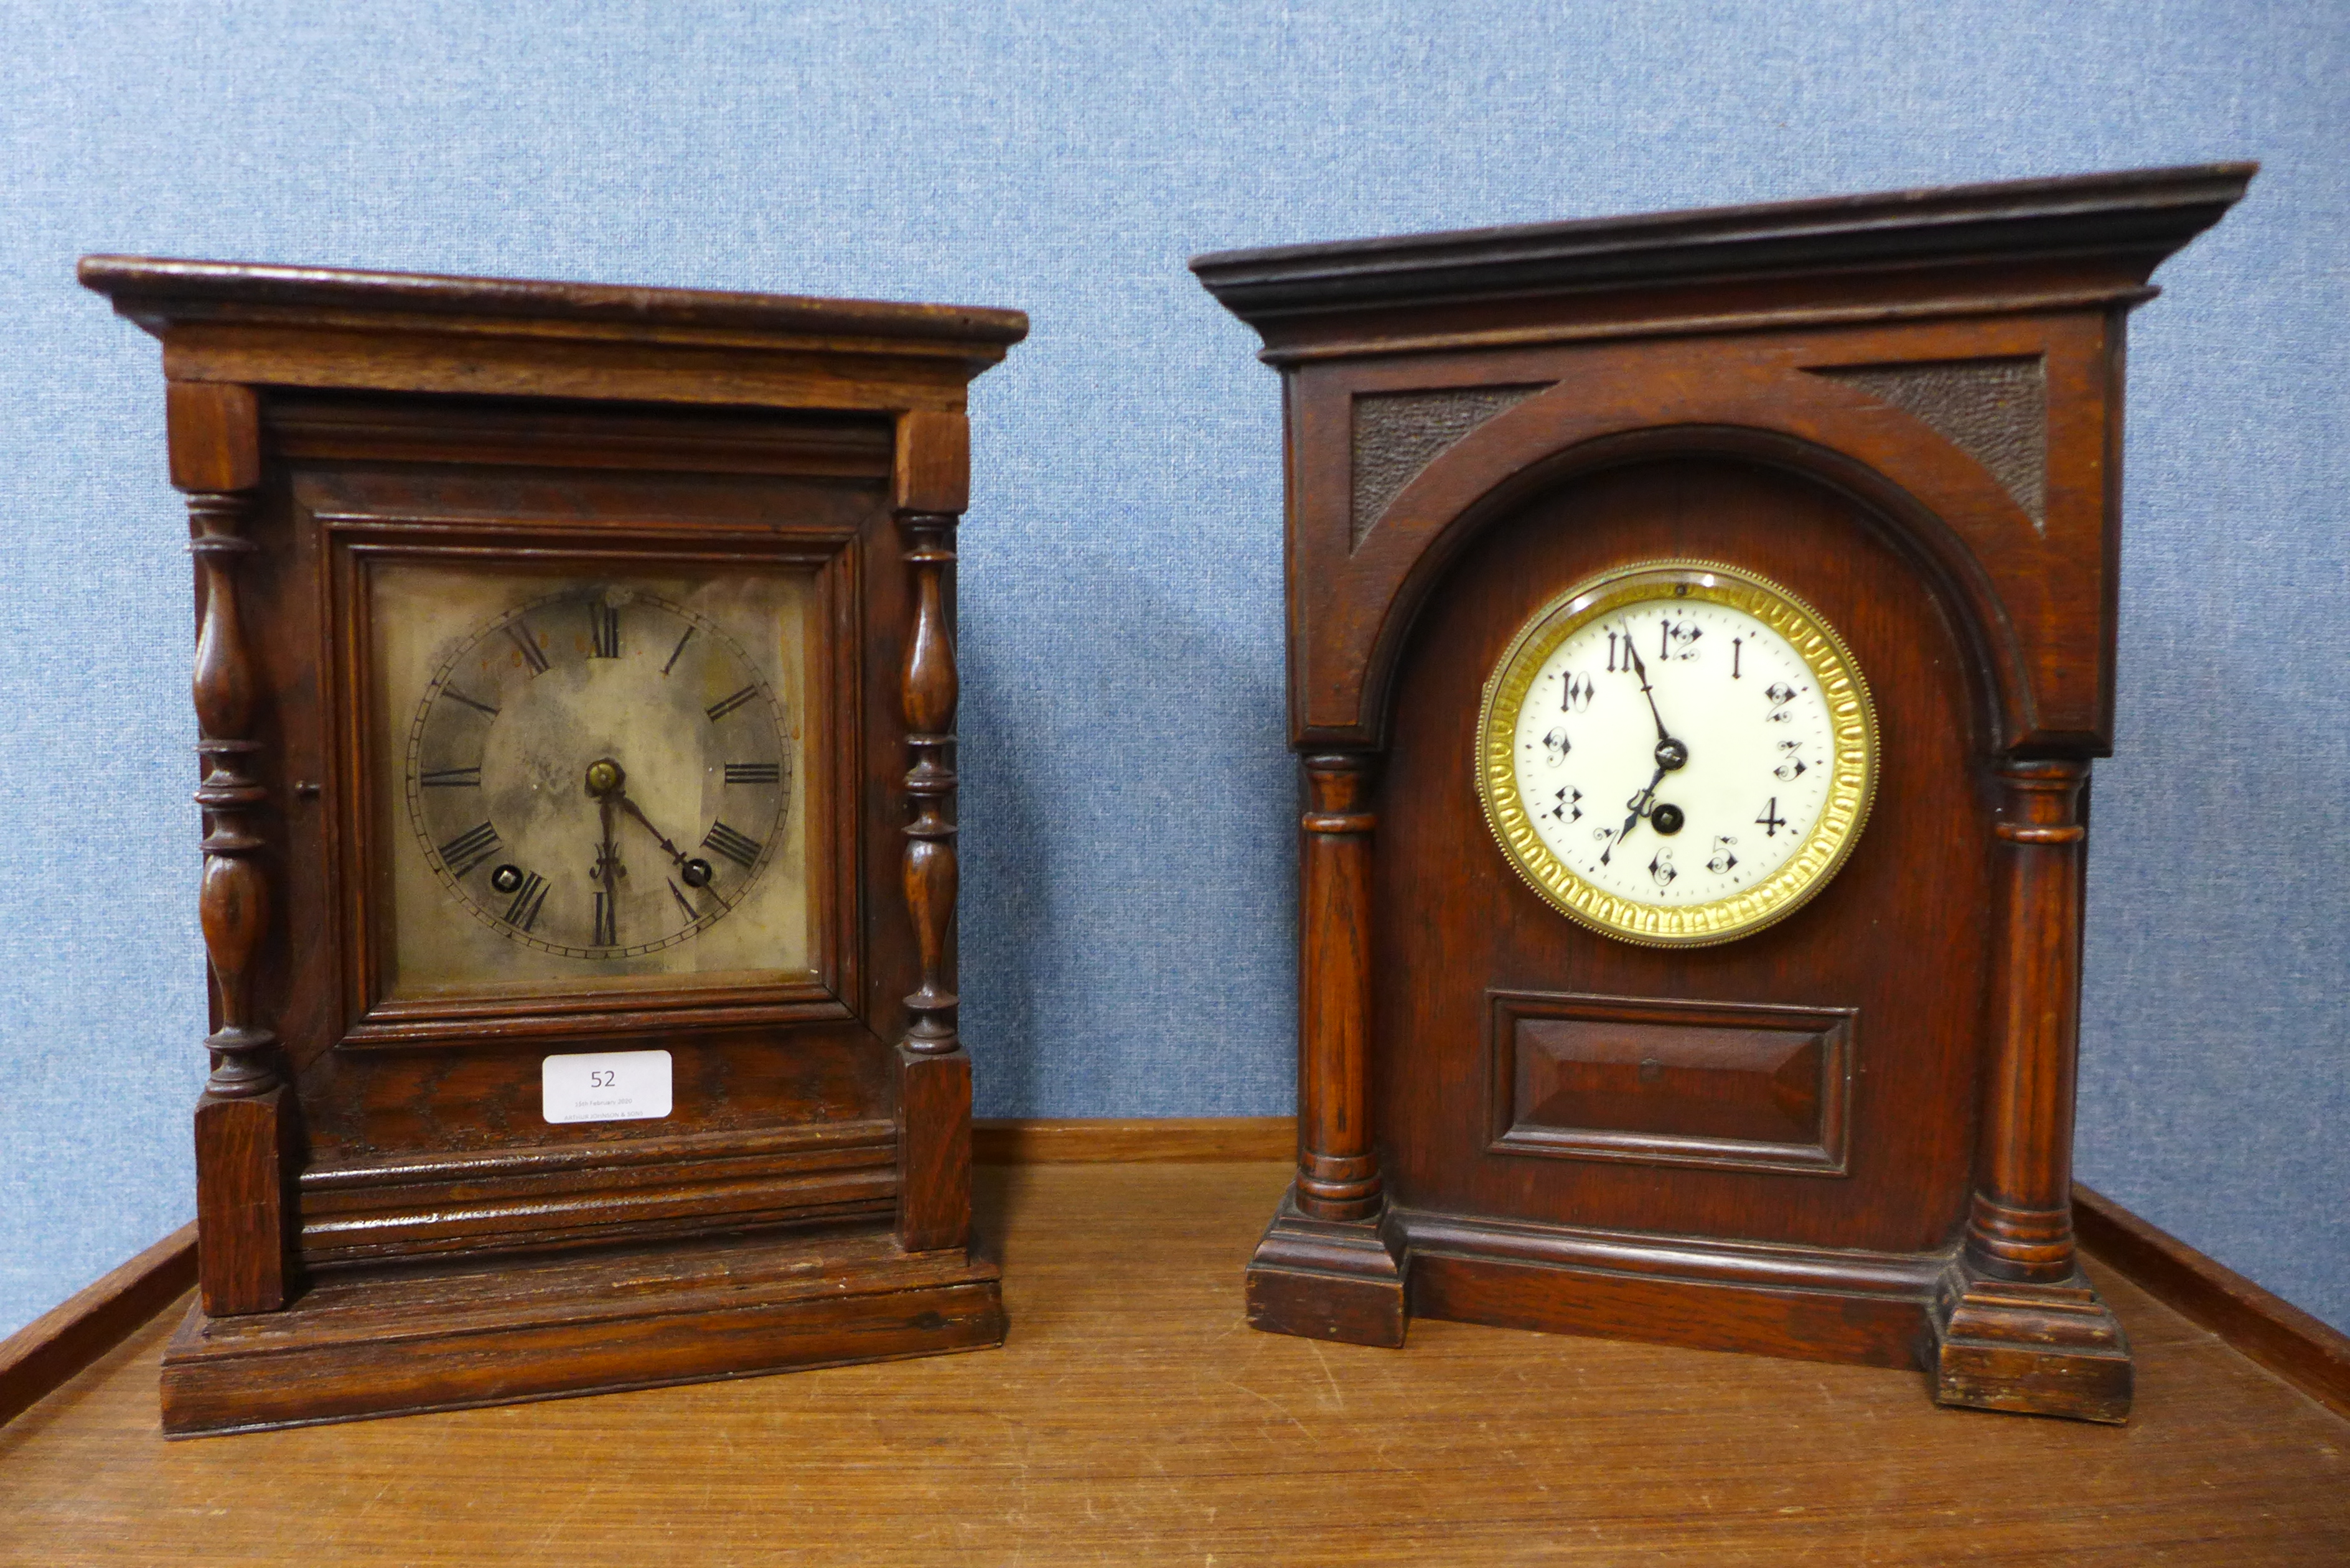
(1324, 1267)
(1101, 1140)
(2312, 1355)
(2303, 1351)
(42, 1355)
(241, 1130)
(1905, 408)
(372, 1166)
(931, 482)
(1127, 1422)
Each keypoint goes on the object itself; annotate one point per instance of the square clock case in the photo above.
(576, 689)
(1700, 626)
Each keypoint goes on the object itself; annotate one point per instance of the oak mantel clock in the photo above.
(575, 691)
(1700, 626)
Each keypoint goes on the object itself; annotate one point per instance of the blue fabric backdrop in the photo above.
(1129, 901)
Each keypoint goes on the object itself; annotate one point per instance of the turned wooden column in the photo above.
(934, 1073)
(239, 1122)
(2014, 1325)
(2021, 1227)
(929, 710)
(1337, 1173)
(1328, 1266)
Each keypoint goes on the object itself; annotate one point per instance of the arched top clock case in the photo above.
(576, 687)
(1844, 1133)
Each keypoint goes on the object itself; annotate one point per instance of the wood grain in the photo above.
(1094, 1140)
(1444, 901)
(366, 1133)
(1719, 386)
(2146, 212)
(1130, 1418)
(576, 1322)
(256, 290)
(47, 1352)
(2313, 1356)
(932, 473)
(1338, 1166)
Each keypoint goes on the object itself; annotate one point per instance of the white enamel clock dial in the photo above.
(1677, 753)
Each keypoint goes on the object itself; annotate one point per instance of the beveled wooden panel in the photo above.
(1444, 896)
(1690, 1082)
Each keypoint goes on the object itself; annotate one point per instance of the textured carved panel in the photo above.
(1397, 434)
(1995, 411)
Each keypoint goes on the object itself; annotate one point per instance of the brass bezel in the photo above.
(1852, 782)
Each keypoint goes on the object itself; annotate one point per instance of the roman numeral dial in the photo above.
(600, 772)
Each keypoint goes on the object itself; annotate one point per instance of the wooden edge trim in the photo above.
(1159, 1140)
(2310, 1355)
(40, 1357)
(2313, 1357)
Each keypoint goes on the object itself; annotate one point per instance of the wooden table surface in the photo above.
(1133, 1418)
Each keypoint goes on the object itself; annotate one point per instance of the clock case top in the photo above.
(1927, 384)
(319, 419)
(1783, 320)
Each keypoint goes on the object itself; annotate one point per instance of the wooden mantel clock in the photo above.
(576, 693)
(1699, 629)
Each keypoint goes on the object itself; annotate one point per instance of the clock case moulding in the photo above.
(1847, 1136)
(386, 1223)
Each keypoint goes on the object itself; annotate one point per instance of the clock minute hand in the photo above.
(1641, 668)
(646, 823)
(1672, 754)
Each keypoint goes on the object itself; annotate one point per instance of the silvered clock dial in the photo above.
(1677, 753)
(592, 777)
(599, 773)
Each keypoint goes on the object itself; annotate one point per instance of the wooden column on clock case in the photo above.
(243, 1129)
(2016, 1325)
(1904, 406)
(1325, 1269)
(929, 490)
(375, 1157)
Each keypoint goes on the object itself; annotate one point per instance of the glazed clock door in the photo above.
(597, 738)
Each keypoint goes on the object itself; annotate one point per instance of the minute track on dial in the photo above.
(691, 712)
(1727, 637)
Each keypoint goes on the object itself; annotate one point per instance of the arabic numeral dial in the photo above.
(1675, 749)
